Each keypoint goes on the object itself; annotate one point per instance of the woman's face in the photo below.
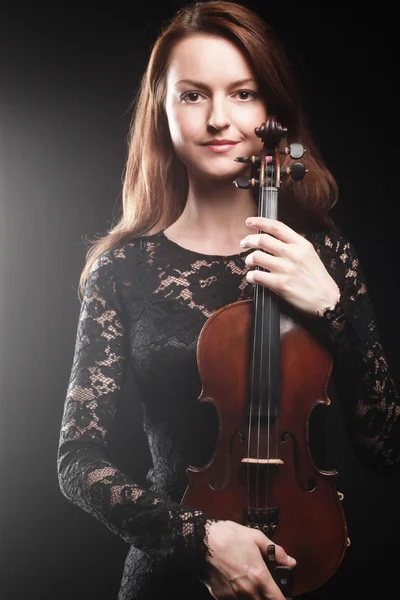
(212, 95)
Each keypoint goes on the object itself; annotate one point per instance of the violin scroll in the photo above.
(271, 132)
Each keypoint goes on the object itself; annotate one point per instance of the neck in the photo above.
(217, 209)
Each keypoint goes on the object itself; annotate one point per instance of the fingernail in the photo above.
(250, 276)
(291, 561)
(249, 221)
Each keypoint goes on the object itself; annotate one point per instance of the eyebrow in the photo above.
(204, 85)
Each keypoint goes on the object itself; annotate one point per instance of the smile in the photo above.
(221, 147)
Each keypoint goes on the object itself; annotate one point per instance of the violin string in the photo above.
(275, 341)
(263, 292)
(277, 363)
(264, 382)
(260, 358)
(252, 379)
(269, 373)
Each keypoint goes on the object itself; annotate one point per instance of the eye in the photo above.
(191, 97)
(246, 94)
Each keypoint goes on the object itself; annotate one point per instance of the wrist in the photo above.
(329, 304)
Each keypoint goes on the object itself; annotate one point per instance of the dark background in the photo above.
(69, 73)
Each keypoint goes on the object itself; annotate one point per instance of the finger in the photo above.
(283, 558)
(265, 241)
(272, 281)
(265, 261)
(276, 228)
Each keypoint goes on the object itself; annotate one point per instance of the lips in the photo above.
(220, 145)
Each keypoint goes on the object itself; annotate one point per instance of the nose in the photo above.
(218, 117)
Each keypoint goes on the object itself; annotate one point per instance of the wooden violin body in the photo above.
(310, 520)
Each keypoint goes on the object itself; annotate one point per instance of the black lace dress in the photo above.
(145, 303)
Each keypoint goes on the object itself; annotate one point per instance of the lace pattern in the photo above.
(143, 308)
(86, 474)
(366, 389)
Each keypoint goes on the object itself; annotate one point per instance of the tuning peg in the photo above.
(248, 159)
(296, 171)
(244, 183)
(294, 150)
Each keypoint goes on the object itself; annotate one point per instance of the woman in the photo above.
(184, 247)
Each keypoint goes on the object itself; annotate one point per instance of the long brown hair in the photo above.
(155, 182)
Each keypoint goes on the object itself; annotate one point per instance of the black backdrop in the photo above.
(68, 75)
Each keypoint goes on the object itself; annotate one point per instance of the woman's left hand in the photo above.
(295, 271)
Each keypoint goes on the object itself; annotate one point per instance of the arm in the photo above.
(164, 529)
(367, 391)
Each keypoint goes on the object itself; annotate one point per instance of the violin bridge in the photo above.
(263, 461)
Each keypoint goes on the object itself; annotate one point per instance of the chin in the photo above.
(220, 171)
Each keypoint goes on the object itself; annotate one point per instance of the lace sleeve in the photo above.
(367, 390)
(162, 528)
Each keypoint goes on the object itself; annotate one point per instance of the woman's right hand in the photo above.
(237, 568)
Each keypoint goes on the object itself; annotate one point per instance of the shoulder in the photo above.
(131, 261)
(107, 269)
(113, 259)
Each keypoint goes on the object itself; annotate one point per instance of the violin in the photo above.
(265, 373)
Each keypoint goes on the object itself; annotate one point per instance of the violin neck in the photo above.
(265, 384)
